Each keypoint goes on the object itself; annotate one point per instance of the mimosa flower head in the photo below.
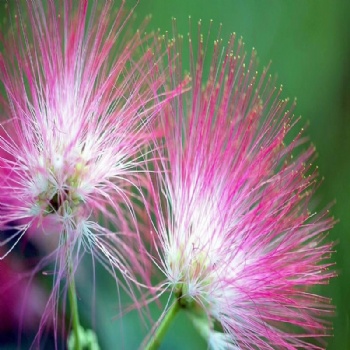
(236, 238)
(81, 96)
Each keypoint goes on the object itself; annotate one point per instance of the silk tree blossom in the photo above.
(235, 236)
(81, 96)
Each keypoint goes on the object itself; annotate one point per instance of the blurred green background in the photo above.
(308, 44)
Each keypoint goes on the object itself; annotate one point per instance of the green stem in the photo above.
(74, 311)
(72, 297)
(158, 336)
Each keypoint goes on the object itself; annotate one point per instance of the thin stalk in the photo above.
(158, 336)
(72, 297)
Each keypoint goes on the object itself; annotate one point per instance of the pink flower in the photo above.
(235, 237)
(81, 97)
(17, 299)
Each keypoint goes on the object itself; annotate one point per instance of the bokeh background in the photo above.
(308, 42)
